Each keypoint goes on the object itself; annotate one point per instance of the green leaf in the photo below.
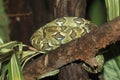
(6, 50)
(1, 41)
(26, 56)
(9, 45)
(111, 70)
(117, 59)
(113, 7)
(14, 69)
(3, 72)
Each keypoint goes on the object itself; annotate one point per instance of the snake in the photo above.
(61, 31)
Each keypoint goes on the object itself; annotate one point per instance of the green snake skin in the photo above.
(61, 31)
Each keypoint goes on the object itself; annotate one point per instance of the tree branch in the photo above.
(83, 48)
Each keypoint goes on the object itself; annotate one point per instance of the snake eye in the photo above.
(60, 21)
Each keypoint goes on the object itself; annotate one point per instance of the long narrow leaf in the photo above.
(6, 50)
(112, 9)
(10, 44)
(3, 72)
(14, 69)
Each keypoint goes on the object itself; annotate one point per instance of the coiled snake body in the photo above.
(61, 31)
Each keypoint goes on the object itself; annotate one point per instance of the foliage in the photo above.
(13, 60)
(10, 60)
(14, 68)
(113, 7)
(7, 57)
(112, 66)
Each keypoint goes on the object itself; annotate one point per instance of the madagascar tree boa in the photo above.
(61, 31)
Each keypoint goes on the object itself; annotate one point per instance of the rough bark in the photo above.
(100, 37)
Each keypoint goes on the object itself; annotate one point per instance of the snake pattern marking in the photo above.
(61, 31)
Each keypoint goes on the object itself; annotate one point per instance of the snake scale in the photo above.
(61, 31)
